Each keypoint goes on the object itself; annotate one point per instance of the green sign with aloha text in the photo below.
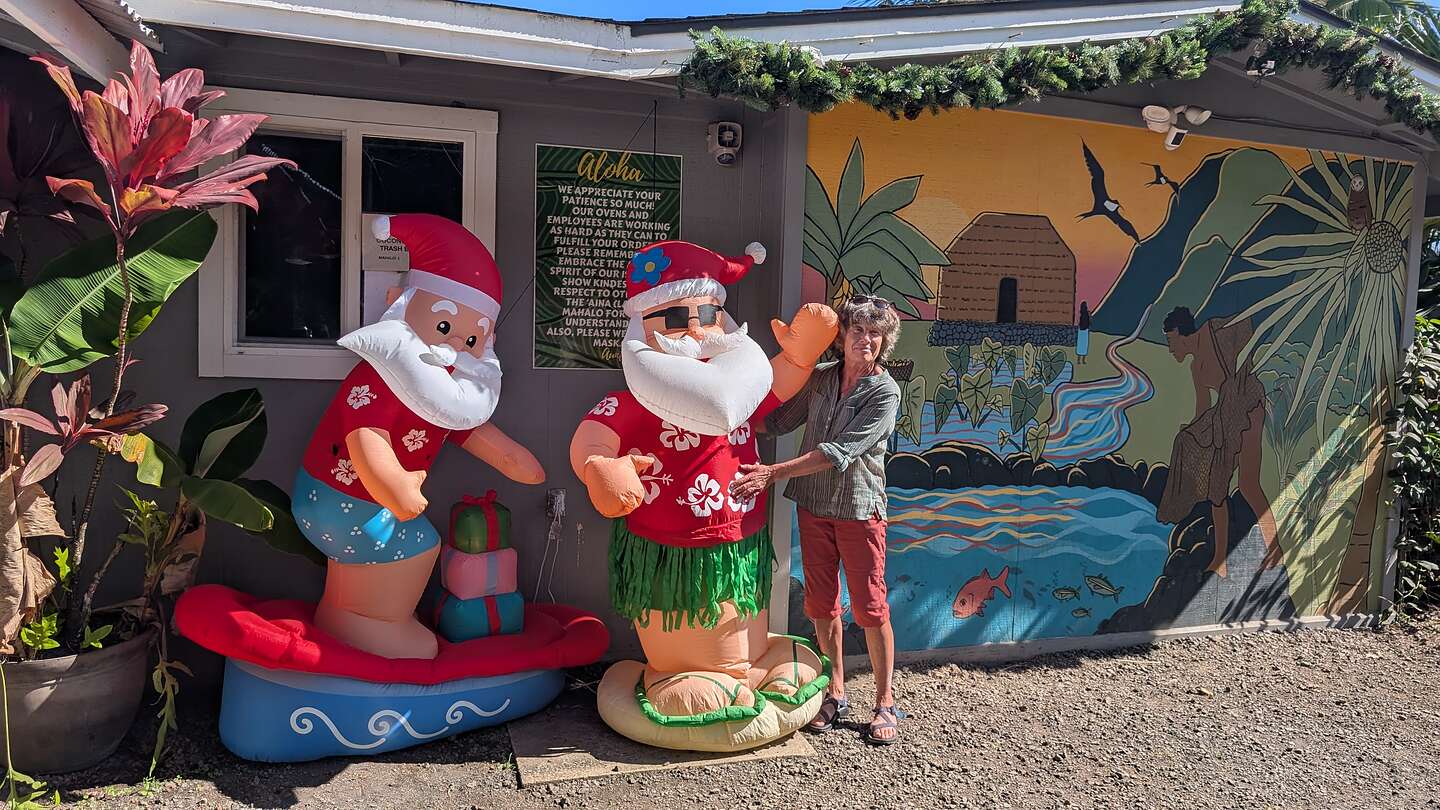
(594, 209)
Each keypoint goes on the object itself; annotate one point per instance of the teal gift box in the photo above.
(464, 619)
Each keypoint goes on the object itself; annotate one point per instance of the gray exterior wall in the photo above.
(760, 198)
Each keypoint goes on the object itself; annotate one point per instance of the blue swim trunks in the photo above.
(352, 530)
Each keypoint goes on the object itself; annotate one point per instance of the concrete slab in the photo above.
(569, 741)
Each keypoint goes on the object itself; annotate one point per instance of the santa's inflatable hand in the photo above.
(808, 334)
(614, 483)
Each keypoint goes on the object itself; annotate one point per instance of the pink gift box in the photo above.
(472, 576)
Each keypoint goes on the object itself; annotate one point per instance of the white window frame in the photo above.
(222, 351)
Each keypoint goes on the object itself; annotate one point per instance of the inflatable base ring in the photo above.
(293, 693)
(620, 709)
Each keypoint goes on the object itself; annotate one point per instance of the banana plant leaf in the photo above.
(70, 316)
(155, 464)
(225, 435)
(285, 534)
(230, 502)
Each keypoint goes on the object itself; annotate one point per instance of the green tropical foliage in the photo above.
(1025, 399)
(1413, 23)
(947, 399)
(70, 316)
(975, 391)
(1347, 286)
(912, 409)
(860, 244)
(219, 443)
(1035, 438)
(1416, 442)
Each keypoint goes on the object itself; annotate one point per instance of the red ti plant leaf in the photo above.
(45, 461)
(144, 82)
(210, 138)
(60, 74)
(28, 418)
(139, 204)
(227, 184)
(79, 191)
(131, 421)
(181, 88)
(107, 128)
(118, 95)
(169, 130)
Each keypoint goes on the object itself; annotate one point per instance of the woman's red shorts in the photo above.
(859, 545)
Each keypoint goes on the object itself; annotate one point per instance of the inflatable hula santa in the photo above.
(690, 564)
(427, 376)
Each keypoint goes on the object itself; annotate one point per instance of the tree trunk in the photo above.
(1354, 579)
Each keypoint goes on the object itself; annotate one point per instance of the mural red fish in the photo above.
(981, 588)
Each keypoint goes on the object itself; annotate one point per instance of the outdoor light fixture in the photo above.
(722, 139)
(1165, 119)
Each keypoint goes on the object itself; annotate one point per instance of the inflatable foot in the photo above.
(688, 694)
(791, 668)
(626, 707)
(405, 638)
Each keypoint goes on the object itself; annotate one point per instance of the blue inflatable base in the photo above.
(269, 715)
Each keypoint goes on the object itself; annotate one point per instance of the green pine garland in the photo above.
(768, 75)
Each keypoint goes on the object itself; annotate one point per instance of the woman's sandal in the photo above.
(831, 709)
(892, 722)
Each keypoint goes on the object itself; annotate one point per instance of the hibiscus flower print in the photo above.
(740, 506)
(677, 439)
(606, 407)
(703, 497)
(646, 267)
(654, 477)
(414, 440)
(360, 396)
(741, 434)
(344, 472)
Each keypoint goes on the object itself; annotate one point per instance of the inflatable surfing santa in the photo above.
(690, 564)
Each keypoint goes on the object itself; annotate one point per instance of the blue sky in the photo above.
(643, 9)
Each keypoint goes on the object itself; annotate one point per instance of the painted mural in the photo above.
(1142, 389)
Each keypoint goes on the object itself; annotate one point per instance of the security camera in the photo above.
(1174, 137)
(722, 139)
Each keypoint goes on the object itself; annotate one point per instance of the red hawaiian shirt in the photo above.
(687, 487)
(364, 400)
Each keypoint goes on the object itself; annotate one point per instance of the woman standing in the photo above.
(849, 409)
(1082, 335)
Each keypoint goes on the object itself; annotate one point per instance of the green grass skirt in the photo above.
(688, 585)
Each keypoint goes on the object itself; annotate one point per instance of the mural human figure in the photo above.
(1082, 335)
(1225, 436)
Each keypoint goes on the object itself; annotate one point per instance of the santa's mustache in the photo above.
(713, 345)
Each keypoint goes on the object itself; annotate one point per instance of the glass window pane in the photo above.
(401, 176)
(292, 246)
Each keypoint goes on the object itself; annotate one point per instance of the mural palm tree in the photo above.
(1346, 288)
(860, 244)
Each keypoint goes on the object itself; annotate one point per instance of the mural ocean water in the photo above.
(1212, 459)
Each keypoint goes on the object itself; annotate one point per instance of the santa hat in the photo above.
(446, 259)
(667, 271)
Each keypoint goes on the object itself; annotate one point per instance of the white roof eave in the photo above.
(473, 32)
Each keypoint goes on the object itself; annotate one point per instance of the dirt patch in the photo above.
(1333, 719)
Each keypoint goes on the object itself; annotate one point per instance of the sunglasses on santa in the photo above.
(678, 317)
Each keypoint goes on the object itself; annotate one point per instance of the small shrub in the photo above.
(1416, 442)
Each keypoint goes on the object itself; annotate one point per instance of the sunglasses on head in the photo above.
(678, 317)
(873, 300)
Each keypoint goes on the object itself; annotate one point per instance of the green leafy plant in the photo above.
(1052, 364)
(1025, 399)
(947, 399)
(1035, 438)
(167, 686)
(912, 405)
(987, 355)
(1415, 439)
(975, 395)
(860, 244)
(959, 359)
(770, 75)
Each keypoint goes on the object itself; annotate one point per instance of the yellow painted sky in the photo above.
(978, 161)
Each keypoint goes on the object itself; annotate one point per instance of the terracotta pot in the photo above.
(69, 713)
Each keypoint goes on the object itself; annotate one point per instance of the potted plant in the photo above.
(149, 142)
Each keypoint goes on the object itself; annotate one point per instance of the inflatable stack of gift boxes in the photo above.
(477, 574)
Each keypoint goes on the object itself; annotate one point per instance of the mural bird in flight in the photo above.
(1161, 179)
(1105, 205)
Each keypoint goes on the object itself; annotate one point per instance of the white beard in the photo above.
(415, 372)
(711, 397)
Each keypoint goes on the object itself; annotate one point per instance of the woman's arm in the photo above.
(790, 414)
(756, 477)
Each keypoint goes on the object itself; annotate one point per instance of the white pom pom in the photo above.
(380, 226)
(756, 251)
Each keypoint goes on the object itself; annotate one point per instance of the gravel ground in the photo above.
(1317, 719)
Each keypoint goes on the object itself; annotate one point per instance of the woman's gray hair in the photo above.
(866, 312)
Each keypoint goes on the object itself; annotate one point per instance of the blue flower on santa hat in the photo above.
(647, 265)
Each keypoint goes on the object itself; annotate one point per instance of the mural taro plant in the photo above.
(861, 245)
